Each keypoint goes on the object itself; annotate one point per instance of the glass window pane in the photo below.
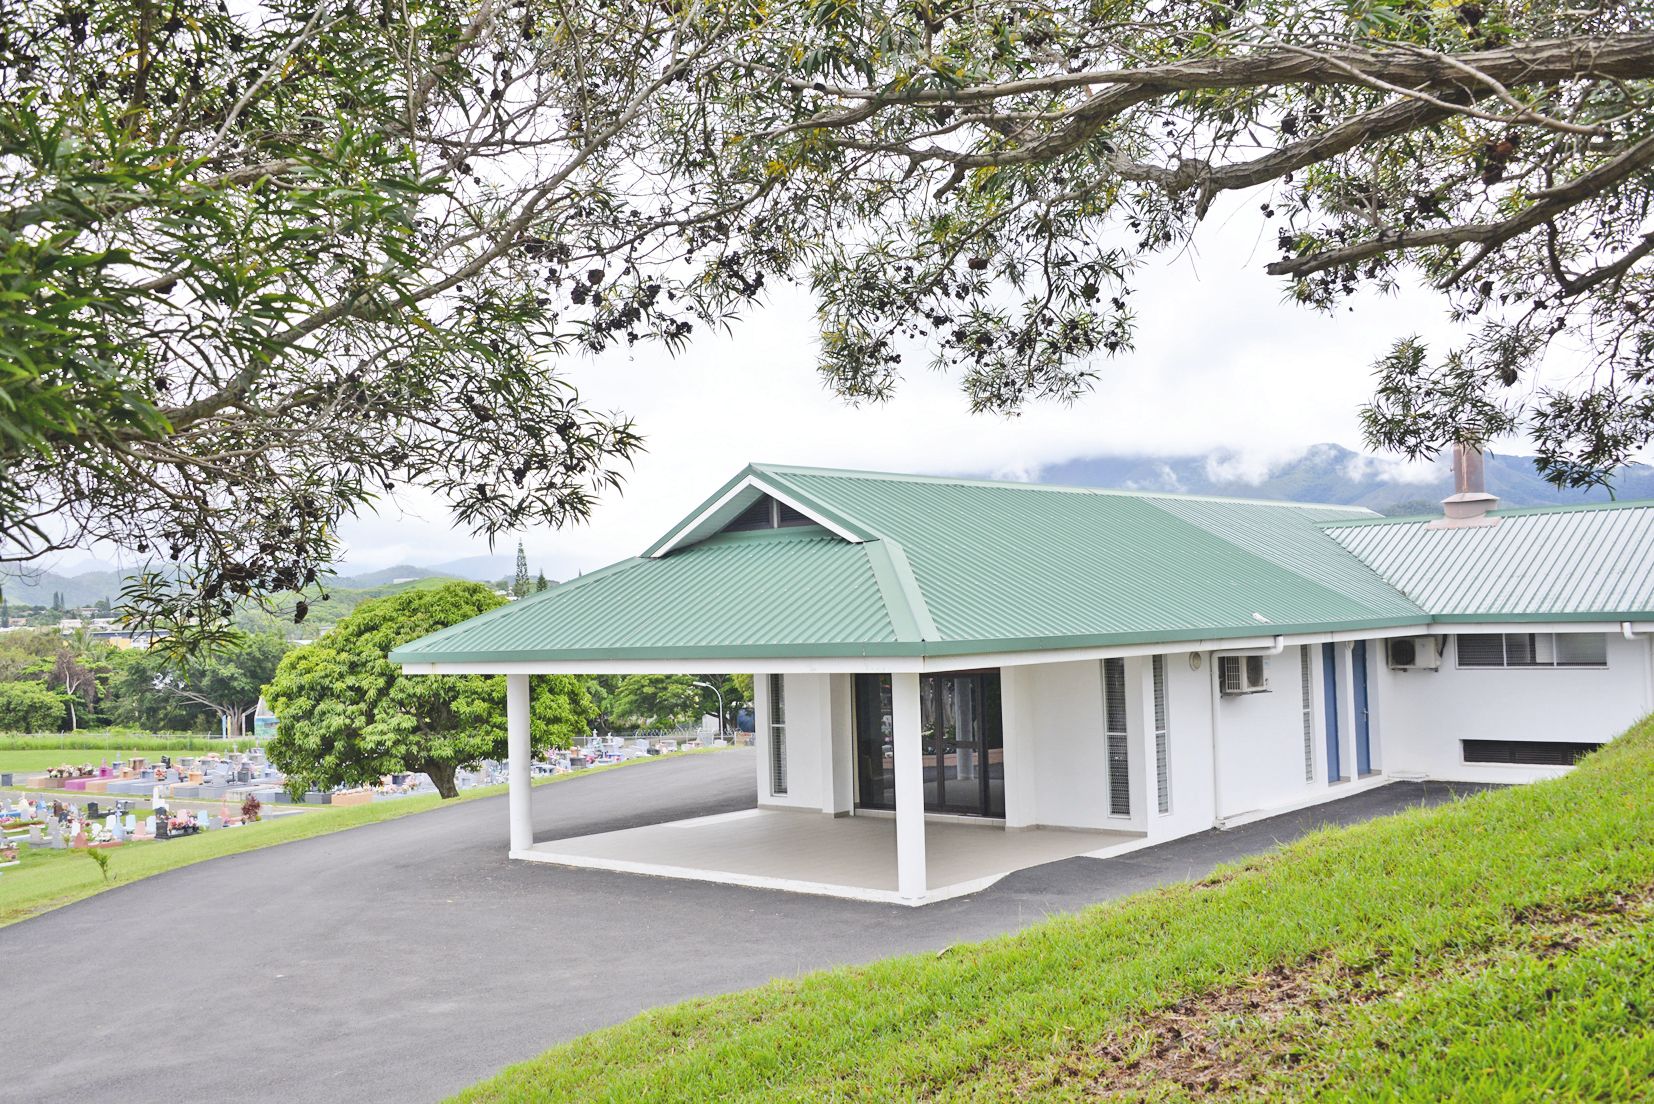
(1582, 649)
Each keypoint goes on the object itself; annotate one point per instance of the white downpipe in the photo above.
(1217, 771)
(520, 750)
(910, 786)
(1648, 668)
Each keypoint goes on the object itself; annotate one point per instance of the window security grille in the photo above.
(1119, 762)
(778, 736)
(1162, 738)
(1532, 650)
(1535, 753)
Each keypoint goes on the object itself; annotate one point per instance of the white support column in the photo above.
(1016, 705)
(520, 750)
(838, 735)
(1346, 709)
(910, 786)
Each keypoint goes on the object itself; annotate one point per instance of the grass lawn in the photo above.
(48, 879)
(1494, 949)
(45, 758)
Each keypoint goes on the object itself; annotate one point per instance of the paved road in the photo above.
(402, 961)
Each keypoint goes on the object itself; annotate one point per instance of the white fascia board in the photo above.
(1262, 642)
(693, 529)
(1455, 628)
(820, 665)
(686, 666)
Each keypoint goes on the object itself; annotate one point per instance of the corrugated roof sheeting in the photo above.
(955, 566)
(734, 592)
(1542, 563)
(1020, 561)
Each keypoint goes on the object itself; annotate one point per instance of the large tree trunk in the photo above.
(442, 777)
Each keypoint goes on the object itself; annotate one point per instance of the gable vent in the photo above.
(766, 513)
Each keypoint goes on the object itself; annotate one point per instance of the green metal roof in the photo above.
(905, 565)
(1547, 563)
(1005, 566)
(739, 594)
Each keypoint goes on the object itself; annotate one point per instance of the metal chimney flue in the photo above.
(1470, 502)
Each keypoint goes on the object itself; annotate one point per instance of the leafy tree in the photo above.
(647, 701)
(228, 683)
(1008, 171)
(521, 587)
(540, 582)
(216, 690)
(265, 264)
(29, 707)
(75, 680)
(347, 715)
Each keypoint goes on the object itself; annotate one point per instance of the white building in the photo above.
(946, 666)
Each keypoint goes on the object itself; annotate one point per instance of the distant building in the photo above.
(264, 722)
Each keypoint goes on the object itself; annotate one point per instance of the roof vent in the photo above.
(1470, 501)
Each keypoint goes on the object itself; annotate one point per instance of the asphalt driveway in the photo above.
(405, 960)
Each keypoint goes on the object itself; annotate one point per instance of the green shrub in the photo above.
(29, 707)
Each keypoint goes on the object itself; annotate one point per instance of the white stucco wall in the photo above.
(1261, 742)
(1189, 716)
(1067, 745)
(1425, 714)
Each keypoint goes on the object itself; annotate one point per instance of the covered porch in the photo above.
(807, 852)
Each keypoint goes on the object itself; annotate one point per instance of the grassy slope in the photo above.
(1485, 950)
(49, 879)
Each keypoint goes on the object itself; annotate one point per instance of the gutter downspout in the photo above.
(1217, 775)
(1648, 669)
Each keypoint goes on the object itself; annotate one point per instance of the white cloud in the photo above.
(1221, 363)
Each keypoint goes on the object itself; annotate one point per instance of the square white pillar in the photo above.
(910, 786)
(837, 746)
(1016, 706)
(519, 748)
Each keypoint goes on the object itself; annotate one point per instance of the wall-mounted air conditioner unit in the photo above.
(1242, 675)
(1415, 653)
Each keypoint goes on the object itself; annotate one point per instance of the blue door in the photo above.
(1329, 671)
(1363, 748)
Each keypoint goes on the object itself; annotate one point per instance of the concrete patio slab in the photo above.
(804, 852)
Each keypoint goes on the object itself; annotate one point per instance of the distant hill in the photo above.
(25, 586)
(1332, 473)
(401, 573)
(30, 587)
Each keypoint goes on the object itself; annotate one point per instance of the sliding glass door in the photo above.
(961, 736)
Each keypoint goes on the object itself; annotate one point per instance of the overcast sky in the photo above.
(1221, 362)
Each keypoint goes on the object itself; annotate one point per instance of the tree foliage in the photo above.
(346, 715)
(263, 265)
(655, 701)
(220, 687)
(976, 186)
(30, 707)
